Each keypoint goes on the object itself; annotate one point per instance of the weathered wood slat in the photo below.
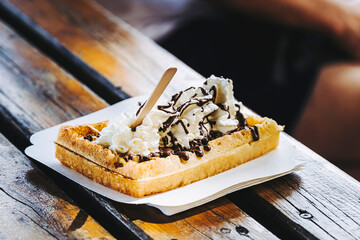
(318, 201)
(219, 219)
(33, 207)
(286, 198)
(36, 94)
(321, 196)
(120, 55)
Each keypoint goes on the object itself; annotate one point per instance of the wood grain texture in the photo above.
(219, 219)
(325, 197)
(33, 207)
(107, 44)
(58, 211)
(317, 202)
(36, 94)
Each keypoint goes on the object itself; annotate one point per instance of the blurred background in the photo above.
(295, 61)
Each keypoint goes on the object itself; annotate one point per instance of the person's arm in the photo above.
(333, 17)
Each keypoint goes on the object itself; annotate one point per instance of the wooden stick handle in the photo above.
(164, 81)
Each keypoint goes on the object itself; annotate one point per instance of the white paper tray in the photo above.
(276, 163)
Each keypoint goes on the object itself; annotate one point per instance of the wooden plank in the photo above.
(36, 94)
(109, 46)
(318, 201)
(220, 219)
(33, 207)
(100, 28)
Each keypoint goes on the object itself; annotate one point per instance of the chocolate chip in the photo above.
(183, 155)
(207, 148)
(118, 164)
(88, 137)
(143, 158)
(164, 152)
(199, 152)
(204, 141)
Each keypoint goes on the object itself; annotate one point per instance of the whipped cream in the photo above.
(190, 116)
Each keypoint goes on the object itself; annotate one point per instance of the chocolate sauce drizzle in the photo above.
(255, 132)
(197, 146)
(167, 123)
(225, 108)
(198, 101)
(213, 92)
(183, 125)
(141, 106)
(164, 108)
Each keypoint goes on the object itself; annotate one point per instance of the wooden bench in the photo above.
(114, 60)
(39, 94)
(33, 207)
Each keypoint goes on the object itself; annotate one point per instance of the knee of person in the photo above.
(340, 84)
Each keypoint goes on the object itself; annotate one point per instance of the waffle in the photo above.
(137, 178)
